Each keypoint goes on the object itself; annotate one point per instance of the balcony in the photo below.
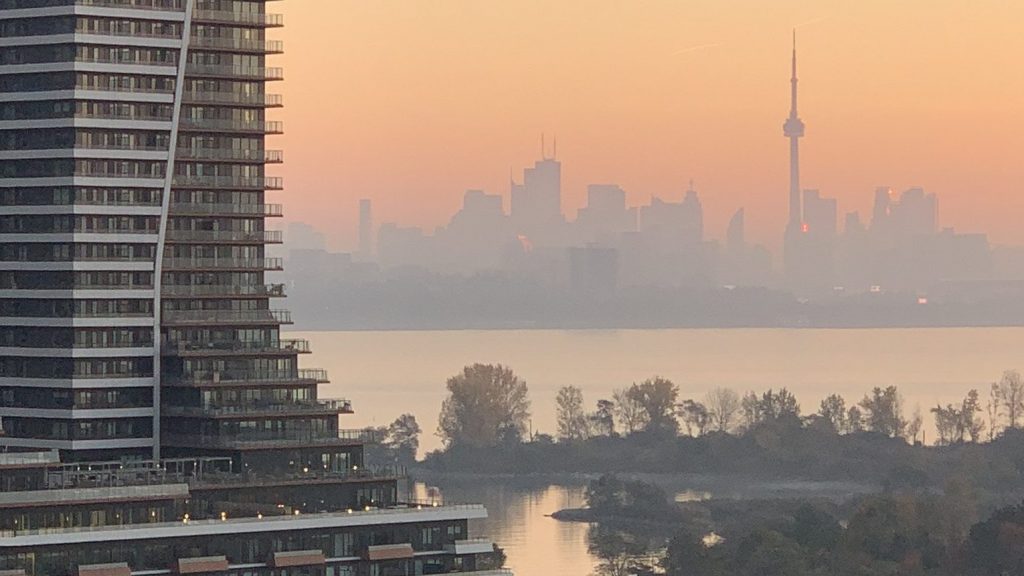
(228, 182)
(245, 210)
(216, 377)
(238, 45)
(238, 19)
(221, 317)
(261, 439)
(234, 72)
(164, 5)
(212, 480)
(167, 61)
(234, 126)
(327, 406)
(234, 99)
(224, 237)
(218, 291)
(196, 264)
(225, 155)
(222, 347)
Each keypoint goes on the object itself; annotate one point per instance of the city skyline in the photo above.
(659, 109)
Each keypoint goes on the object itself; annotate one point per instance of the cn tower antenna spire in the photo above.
(794, 130)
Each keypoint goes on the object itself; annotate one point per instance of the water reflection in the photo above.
(519, 521)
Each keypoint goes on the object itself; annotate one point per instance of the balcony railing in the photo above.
(259, 290)
(230, 155)
(131, 175)
(223, 264)
(312, 407)
(251, 478)
(229, 182)
(231, 71)
(165, 5)
(90, 59)
(225, 236)
(227, 316)
(232, 98)
(290, 345)
(217, 125)
(260, 439)
(238, 44)
(227, 17)
(317, 375)
(266, 210)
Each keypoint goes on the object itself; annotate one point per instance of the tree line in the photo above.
(489, 405)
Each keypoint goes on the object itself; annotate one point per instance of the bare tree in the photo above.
(1011, 397)
(992, 410)
(628, 411)
(914, 425)
(571, 417)
(723, 406)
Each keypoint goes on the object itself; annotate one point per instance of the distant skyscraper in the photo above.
(735, 235)
(536, 206)
(606, 217)
(365, 229)
(819, 216)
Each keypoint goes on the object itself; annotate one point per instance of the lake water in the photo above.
(389, 373)
(537, 545)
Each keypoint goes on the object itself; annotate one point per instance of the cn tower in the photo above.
(794, 130)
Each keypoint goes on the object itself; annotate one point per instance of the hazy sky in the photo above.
(412, 102)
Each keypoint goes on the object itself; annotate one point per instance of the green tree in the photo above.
(689, 554)
(602, 421)
(883, 412)
(570, 416)
(695, 417)
(854, 420)
(948, 422)
(403, 438)
(486, 404)
(657, 398)
(970, 411)
(832, 411)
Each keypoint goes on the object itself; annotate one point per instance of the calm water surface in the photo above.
(535, 544)
(388, 373)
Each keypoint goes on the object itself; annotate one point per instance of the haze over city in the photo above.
(411, 106)
(520, 288)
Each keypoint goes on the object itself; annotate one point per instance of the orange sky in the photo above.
(412, 102)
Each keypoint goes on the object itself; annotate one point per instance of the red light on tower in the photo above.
(804, 228)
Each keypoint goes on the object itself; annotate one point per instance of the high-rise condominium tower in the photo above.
(136, 317)
(137, 324)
